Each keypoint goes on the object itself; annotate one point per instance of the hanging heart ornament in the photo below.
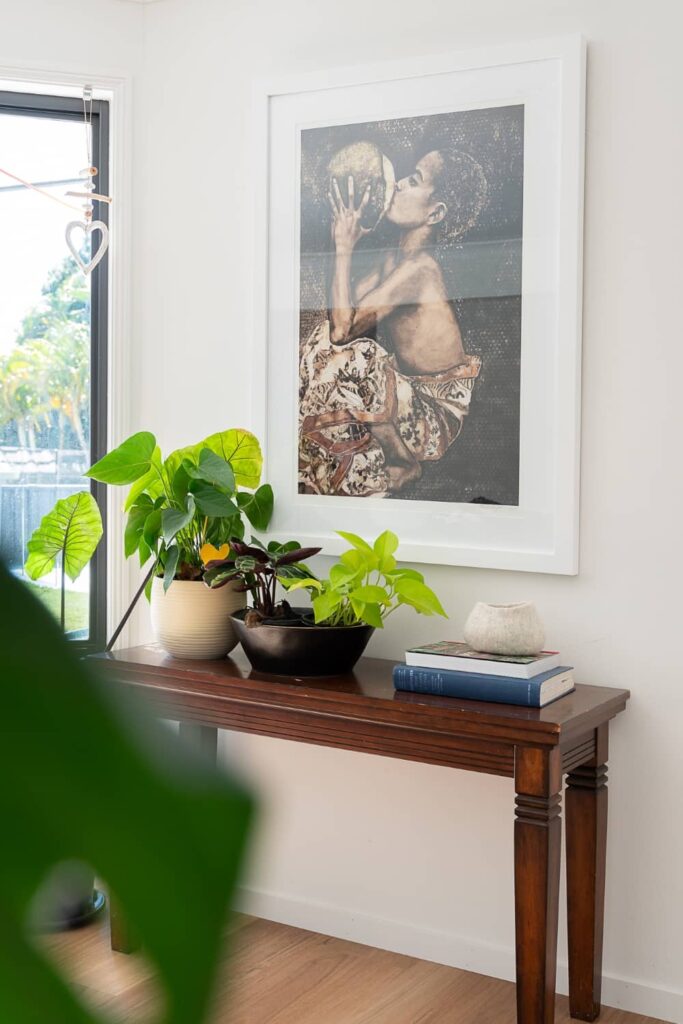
(87, 229)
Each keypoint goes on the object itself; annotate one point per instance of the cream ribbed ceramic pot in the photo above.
(512, 629)
(192, 621)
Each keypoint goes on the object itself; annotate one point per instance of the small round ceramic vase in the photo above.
(511, 629)
(192, 621)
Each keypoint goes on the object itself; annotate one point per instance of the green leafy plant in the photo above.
(190, 503)
(366, 585)
(258, 569)
(71, 532)
(71, 750)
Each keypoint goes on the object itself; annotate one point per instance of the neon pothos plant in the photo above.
(70, 532)
(366, 585)
(184, 508)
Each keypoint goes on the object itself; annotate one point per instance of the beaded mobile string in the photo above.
(87, 192)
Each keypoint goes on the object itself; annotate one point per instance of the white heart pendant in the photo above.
(87, 229)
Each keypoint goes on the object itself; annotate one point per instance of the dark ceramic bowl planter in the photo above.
(297, 647)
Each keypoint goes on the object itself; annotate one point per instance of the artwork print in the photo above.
(410, 307)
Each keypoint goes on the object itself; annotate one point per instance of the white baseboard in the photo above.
(445, 948)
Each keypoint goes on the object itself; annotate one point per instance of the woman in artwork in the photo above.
(370, 415)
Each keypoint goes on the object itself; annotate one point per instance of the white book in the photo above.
(460, 657)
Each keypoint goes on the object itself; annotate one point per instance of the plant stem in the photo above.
(129, 610)
(62, 614)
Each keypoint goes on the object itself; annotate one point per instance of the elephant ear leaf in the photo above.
(73, 529)
(241, 449)
(128, 462)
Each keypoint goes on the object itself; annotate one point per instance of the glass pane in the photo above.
(44, 346)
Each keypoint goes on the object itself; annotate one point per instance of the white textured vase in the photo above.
(511, 629)
(192, 621)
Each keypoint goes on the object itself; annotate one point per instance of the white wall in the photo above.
(96, 36)
(408, 856)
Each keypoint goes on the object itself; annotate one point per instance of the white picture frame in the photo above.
(540, 533)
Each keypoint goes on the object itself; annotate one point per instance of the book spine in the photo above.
(469, 686)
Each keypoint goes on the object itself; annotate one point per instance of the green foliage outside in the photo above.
(77, 605)
(45, 378)
(161, 826)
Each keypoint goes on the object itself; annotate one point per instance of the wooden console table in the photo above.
(361, 711)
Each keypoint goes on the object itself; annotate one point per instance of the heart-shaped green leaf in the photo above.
(128, 462)
(215, 470)
(419, 596)
(212, 502)
(173, 520)
(257, 507)
(172, 556)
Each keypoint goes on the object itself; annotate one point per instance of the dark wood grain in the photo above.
(586, 814)
(538, 837)
(361, 711)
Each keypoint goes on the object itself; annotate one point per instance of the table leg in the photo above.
(121, 936)
(586, 834)
(205, 739)
(538, 836)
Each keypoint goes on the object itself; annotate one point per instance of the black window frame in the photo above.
(70, 108)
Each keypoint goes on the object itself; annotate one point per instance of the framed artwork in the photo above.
(418, 308)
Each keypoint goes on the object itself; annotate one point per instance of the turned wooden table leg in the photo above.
(586, 814)
(203, 738)
(538, 836)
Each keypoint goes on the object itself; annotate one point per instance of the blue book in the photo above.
(532, 693)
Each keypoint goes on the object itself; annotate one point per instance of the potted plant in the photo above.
(181, 512)
(363, 588)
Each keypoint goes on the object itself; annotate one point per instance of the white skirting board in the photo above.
(445, 948)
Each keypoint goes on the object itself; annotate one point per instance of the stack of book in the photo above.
(454, 670)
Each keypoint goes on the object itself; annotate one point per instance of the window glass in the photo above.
(45, 345)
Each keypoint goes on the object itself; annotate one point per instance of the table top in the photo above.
(360, 710)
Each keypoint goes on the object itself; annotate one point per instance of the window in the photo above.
(53, 340)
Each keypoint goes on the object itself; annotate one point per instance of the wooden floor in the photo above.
(283, 975)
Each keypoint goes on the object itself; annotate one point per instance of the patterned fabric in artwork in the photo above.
(345, 389)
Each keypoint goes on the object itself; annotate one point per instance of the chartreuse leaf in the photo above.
(307, 583)
(242, 450)
(325, 604)
(128, 462)
(71, 529)
(408, 574)
(173, 519)
(342, 575)
(374, 594)
(257, 507)
(173, 823)
(372, 615)
(419, 596)
(384, 548)
(172, 556)
(356, 541)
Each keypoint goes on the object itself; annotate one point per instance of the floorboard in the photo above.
(274, 974)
